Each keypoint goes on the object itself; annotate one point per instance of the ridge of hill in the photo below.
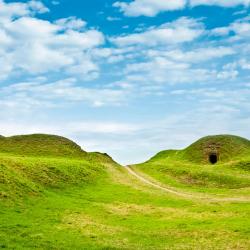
(40, 145)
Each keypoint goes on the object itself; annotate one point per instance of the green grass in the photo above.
(40, 145)
(22, 176)
(90, 202)
(230, 148)
(190, 169)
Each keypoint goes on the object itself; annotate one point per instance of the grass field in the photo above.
(79, 200)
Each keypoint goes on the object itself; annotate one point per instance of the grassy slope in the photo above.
(34, 163)
(231, 148)
(186, 168)
(91, 203)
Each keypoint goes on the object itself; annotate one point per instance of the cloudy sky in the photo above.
(128, 77)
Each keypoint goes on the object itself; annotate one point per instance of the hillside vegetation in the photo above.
(231, 148)
(190, 167)
(32, 163)
(55, 196)
(40, 145)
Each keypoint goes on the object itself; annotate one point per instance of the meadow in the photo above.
(56, 196)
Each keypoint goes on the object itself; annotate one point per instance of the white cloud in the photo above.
(193, 56)
(37, 6)
(180, 31)
(220, 31)
(160, 70)
(158, 63)
(244, 64)
(30, 28)
(72, 23)
(13, 10)
(29, 45)
(222, 3)
(239, 29)
(229, 74)
(217, 98)
(84, 66)
(30, 95)
(149, 7)
(5, 68)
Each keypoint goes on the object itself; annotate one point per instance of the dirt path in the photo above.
(183, 194)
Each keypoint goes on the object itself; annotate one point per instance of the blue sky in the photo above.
(129, 78)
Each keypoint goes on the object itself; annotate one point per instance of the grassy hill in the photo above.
(191, 167)
(54, 195)
(40, 145)
(32, 163)
(228, 148)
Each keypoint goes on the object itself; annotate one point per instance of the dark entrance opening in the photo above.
(213, 158)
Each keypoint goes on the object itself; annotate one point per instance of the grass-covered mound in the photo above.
(226, 147)
(192, 167)
(40, 145)
(32, 164)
